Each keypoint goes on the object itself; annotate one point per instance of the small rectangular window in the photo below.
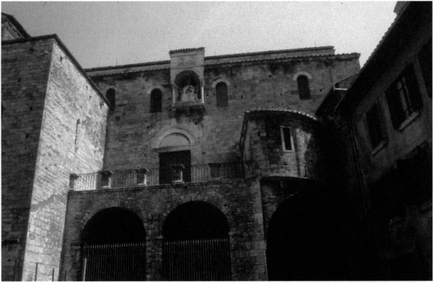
(375, 129)
(287, 141)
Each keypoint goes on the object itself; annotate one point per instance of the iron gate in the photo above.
(197, 260)
(114, 262)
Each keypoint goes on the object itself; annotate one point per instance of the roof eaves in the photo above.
(372, 57)
(279, 110)
(17, 25)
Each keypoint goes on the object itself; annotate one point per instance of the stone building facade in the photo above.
(230, 167)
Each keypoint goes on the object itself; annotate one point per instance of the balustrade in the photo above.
(151, 177)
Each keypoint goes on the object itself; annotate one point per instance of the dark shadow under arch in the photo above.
(113, 247)
(300, 243)
(195, 220)
(196, 244)
(114, 225)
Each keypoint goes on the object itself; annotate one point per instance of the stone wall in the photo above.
(238, 200)
(25, 70)
(262, 80)
(265, 145)
(71, 140)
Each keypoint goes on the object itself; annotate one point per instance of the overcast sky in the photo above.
(118, 33)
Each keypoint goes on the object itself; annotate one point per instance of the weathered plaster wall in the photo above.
(65, 147)
(238, 200)
(25, 70)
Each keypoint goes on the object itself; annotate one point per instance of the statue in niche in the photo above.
(188, 92)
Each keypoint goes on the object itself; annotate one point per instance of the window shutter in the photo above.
(413, 88)
(395, 107)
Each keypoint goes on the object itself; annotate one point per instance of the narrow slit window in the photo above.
(287, 141)
(77, 135)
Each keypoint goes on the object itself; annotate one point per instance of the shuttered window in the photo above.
(403, 97)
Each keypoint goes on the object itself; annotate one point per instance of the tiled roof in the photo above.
(240, 60)
(269, 52)
(186, 49)
(280, 110)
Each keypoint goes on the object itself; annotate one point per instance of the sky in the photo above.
(118, 33)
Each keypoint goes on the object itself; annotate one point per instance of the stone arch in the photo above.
(106, 219)
(300, 73)
(173, 131)
(220, 81)
(195, 220)
(203, 230)
(159, 87)
(113, 246)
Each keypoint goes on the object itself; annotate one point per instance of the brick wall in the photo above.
(65, 147)
(238, 200)
(25, 70)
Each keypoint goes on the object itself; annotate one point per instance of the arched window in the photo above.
(111, 97)
(156, 101)
(303, 87)
(222, 94)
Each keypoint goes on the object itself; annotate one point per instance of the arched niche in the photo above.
(175, 140)
(188, 86)
(166, 140)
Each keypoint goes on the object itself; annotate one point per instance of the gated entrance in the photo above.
(113, 247)
(196, 244)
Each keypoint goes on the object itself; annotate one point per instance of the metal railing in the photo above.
(156, 176)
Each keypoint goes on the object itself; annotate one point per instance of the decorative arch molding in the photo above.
(160, 87)
(177, 130)
(309, 76)
(220, 81)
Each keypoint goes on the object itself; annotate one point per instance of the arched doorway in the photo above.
(114, 249)
(299, 242)
(196, 244)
